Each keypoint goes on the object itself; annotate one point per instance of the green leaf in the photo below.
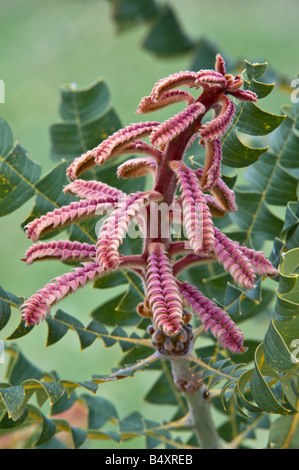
(255, 217)
(284, 433)
(251, 120)
(260, 389)
(112, 279)
(290, 229)
(6, 301)
(287, 300)
(6, 141)
(278, 343)
(86, 338)
(18, 173)
(100, 411)
(56, 330)
(20, 368)
(47, 427)
(129, 12)
(132, 424)
(13, 398)
(161, 392)
(166, 36)
(266, 177)
(255, 121)
(87, 120)
(236, 154)
(119, 311)
(49, 195)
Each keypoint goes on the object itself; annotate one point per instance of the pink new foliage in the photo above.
(202, 196)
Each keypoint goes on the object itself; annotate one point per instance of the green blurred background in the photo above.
(48, 43)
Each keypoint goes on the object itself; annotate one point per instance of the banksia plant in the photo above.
(193, 197)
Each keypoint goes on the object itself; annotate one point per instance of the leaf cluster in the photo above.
(246, 388)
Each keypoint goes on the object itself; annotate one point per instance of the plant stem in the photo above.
(199, 406)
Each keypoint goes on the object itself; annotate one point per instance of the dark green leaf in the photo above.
(236, 154)
(6, 301)
(18, 173)
(100, 410)
(129, 12)
(284, 433)
(260, 389)
(87, 120)
(166, 36)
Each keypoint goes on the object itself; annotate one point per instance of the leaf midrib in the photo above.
(37, 191)
(264, 192)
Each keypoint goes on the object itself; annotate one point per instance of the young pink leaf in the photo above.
(216, 209)
(137, 167)
(197, 217)
(116, 226)
(114, 144)
(141, 147)
(244, 95)
(67, 215)
(220, 65)
(110, 147)
(148, 105)
(258, 260)
(174, 126)
(62, 250)
(215, 128)
(213, 318)
(186, 79)
(210, 77)
(39, 305)
(91, 189)
(162, 292)
(223, 197)
(212, 166)
(233, 260)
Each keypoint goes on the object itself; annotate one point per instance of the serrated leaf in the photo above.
(254, 121)
(119, 311)
(238, 155)
(86, 338)
(18, 174)
(87, 120)
(255, 217)
(275, 192)
(251, 120)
